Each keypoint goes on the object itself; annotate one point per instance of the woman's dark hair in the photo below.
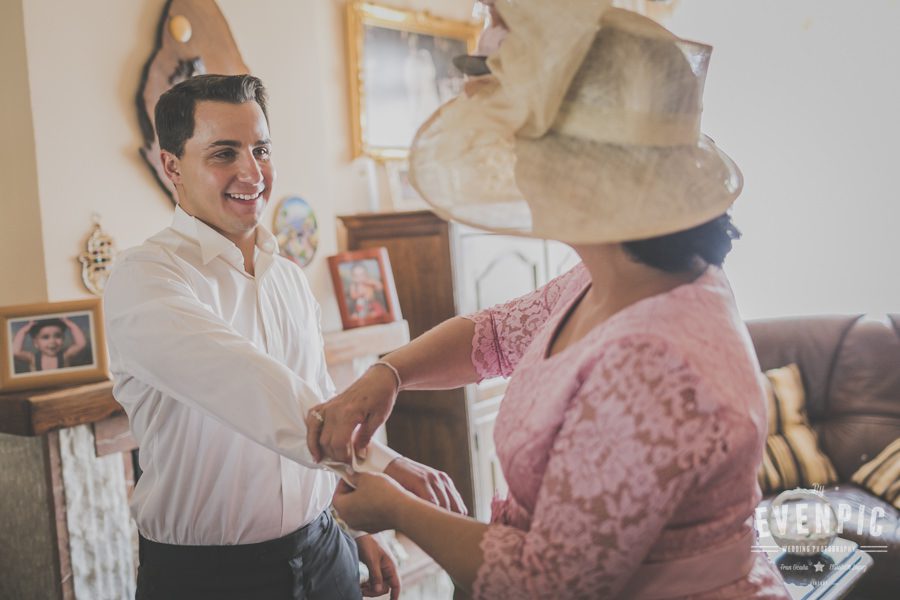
(36, 328)
(678, 251)
(175, 109)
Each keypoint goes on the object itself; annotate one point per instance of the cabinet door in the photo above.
(494, 268)
(560, 258)
(487, 472)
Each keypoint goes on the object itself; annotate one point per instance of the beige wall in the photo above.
(22, 275)
(84, 61)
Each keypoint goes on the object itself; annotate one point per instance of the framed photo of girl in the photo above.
(364, 286)
(52, 344)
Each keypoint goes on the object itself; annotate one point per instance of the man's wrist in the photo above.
(379, 457)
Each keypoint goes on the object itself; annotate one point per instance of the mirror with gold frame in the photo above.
(401, 70)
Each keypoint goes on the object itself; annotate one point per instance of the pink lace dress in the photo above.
(640, 442)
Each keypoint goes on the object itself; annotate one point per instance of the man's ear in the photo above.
(171, 166)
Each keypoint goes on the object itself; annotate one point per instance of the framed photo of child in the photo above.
(52, 344)
(364, 285)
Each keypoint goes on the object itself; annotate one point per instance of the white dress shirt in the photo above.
(217, 369)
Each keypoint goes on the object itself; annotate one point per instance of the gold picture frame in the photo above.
(73, 352)
(391, 52)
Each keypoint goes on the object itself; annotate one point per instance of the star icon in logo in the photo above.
(819, 567)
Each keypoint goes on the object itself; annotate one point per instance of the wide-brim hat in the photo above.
(587, 130)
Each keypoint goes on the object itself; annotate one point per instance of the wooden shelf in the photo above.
(38, 412)
(373, 340)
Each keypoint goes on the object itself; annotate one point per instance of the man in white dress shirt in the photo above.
(217, 356)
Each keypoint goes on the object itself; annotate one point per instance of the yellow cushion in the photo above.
(881, 475)
(792, 457)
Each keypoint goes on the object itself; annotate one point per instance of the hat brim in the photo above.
(565, 188)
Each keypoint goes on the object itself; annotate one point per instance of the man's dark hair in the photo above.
(175, 108)
(678, 251)
(36, 328)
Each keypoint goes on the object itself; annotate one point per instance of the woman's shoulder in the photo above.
(699, 324)
(697, 317)
(565, 287)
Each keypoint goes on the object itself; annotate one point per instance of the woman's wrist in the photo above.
(388, 373)
(400, 511)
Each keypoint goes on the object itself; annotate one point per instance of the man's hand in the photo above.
(428, 484)
(383, 574)
(364, 405)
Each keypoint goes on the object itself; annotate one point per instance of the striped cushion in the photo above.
(881, 476)
(792, 457)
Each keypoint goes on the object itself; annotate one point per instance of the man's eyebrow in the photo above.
(237, 144)
(228, 143)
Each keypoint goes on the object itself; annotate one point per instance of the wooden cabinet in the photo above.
(442, 270)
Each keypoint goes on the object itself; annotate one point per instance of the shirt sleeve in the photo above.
(504, 332)
(162, 334)
(380, 455)
(632, 443)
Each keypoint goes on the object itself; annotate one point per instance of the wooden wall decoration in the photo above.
(192, 38)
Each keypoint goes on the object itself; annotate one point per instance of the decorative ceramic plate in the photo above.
(296, 230)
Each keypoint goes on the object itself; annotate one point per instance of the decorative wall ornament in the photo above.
(180, 28)
(297, 230)
(96, 261)
(192, 38)
(401, 70)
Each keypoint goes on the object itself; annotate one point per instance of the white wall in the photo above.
(84, 64)
(801, 93)
(804, 95)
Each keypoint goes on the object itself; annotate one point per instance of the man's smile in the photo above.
(244, 197)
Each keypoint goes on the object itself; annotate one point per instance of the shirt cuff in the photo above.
(378, 459)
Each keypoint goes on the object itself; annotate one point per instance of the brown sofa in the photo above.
(851, 374)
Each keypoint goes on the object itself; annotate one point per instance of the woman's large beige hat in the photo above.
(586, 131)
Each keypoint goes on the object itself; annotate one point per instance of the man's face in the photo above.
(225, 175)
(359, 273)
(49, 340)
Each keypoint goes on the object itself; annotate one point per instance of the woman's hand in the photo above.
(383, 574)
(365, 404)
(373, 505)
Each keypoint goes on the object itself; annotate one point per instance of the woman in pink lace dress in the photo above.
(633, 424)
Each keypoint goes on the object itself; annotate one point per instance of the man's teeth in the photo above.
(244, 196)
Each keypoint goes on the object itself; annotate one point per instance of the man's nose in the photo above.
(249, 169)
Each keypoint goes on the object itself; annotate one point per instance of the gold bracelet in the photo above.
(393, 369)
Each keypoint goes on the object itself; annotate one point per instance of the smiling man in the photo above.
(217, 356)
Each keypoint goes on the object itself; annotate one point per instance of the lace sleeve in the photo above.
(503, 332)
(632, 442)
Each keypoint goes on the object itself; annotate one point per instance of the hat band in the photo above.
(627, 128)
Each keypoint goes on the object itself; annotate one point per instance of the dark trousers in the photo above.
(318, 561)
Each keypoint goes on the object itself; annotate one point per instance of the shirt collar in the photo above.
(211, 242)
